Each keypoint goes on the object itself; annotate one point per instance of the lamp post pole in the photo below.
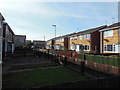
(55, 29)
(55, 34)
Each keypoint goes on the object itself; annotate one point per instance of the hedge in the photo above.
(101, 59)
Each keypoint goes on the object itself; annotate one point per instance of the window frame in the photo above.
(87, 36)
(80, 37)
(108, 33)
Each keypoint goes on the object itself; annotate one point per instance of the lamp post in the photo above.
(55, 29)
(55, 34)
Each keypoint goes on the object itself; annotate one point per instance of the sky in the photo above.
(34, 18)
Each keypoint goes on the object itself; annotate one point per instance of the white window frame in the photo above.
(88, 48)
(75, 38)
(119, 31)
(71, 38)
(62, 40)
(87, 36)
(108, 33)
(113, 48)
(80, 37)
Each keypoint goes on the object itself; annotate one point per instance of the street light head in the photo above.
(54, 25)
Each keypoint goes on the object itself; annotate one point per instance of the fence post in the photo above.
(84, 56)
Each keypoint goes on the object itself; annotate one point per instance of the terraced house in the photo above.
(50, 44)
(110, 39)
(87, 41)
(8, 42)
(59, 43)
(1, 35)
(62, 42)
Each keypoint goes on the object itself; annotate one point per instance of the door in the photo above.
(77, 47)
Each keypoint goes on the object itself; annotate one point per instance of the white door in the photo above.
(77, 47)
(0, 49)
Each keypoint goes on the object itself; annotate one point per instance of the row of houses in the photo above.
(102, 39)
(8, 40)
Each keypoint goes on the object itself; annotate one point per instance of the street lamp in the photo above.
(55, 29)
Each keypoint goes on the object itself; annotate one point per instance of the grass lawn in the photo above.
(34, 78)
(31, 66)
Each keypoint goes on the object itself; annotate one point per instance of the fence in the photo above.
(100, 59)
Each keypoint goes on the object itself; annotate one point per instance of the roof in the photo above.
(9, 27)
(92, 30)
(82, 32)
(21, 35)
(2, 16)
(38, 41)
(69, 34)
(113, 26)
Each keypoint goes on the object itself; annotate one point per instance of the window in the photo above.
(108, 33)
(105, 48)
(62, 40)
(80, 37)
(71, 38)
(113, 47)
(86, 47)
(87, 36)
(75, 38)
(119, 31)
(109, 47)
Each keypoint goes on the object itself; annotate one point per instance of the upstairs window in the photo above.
(119, 31)
(87, 36)
(75, 38)
(108, 33)
(62, 40)
(71, 38)
(80, 37)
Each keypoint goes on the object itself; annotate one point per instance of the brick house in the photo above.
(87, 41)
(59, 43)
(20, 40)
(1, 35)
(110, 39)
(50, 44)
(39, 44)
(8, 42)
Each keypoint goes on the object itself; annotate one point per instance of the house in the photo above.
(87, 41)
(1, 35)
(28, 42)
(59, 43)
(8, 41)
(50, 44)
(38, 44)
(110, 39)
(20, 40)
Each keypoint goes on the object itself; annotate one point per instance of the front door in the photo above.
(77, 47)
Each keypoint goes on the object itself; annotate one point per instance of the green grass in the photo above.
(28, 79)
(32, 66)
